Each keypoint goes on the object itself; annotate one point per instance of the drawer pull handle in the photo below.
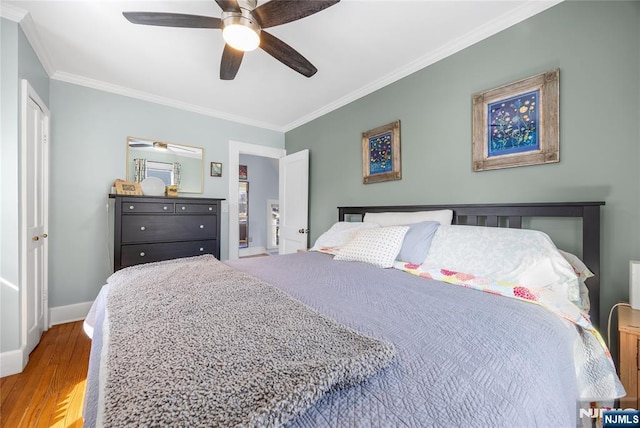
(202, 226)
(131, 207)
(143, 228)
(201, 249)
(142, 254)
(165, 208)
(210, 208)
(184, 208)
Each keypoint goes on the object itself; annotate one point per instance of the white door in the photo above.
(294, 200)
(34, 215)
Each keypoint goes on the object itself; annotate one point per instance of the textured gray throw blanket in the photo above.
(193, 342)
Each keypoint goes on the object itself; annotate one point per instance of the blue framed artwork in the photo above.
(517, 124)
(381, 154)
(513, 125)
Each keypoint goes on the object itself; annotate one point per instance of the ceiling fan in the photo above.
(243, 25)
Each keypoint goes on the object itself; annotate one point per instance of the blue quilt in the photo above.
(464, 357)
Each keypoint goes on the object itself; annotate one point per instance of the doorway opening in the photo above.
(236, 149)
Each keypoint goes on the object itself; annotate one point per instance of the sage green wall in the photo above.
(596, 45)
(88, 151)
(19, 61)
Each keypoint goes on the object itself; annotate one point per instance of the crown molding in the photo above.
(489, 29)
(11, 13)
(29, 29)
(23, 18)
(132, 93)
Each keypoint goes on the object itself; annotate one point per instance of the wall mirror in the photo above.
(175, 164)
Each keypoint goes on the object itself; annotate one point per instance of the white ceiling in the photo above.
(358, 46)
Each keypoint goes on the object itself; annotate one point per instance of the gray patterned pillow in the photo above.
(379, 247)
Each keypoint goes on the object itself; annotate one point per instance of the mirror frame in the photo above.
(129, 159)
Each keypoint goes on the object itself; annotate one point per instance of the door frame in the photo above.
(235, 149)
(27, 92)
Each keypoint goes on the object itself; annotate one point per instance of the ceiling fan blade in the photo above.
(228, 5)
(277, 12)
(286, 54)
(181, 149)
(163, 19)
(231, 60)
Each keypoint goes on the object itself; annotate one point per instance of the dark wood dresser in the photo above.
(150, 229)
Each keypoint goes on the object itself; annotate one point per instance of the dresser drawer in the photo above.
(158, 228)
(147, 207)
(189, 208)
(147, 253)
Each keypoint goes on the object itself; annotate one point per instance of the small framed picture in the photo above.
(128, 188)
(216, 169)
(242, 172)
(381, 154)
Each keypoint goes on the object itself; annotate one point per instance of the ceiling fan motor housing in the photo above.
(243, 17)
(239, 28)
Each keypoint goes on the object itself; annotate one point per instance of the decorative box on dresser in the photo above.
(151, 229)
(629, 331)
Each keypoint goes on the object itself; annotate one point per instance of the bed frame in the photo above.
(510, 215)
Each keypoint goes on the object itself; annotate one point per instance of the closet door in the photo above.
(34, 184)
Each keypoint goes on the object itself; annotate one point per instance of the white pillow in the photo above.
(583, 273)
(340, 234)
(379, 247)
(398, 219)
(517, 256)
(578, 265)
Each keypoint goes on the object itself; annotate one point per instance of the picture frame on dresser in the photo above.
(151, 229)
(127, 188)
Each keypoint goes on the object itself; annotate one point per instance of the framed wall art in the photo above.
(381, 154)
(242, 172)
(517, 124)
(216, 169)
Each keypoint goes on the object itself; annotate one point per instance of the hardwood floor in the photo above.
(50, 390)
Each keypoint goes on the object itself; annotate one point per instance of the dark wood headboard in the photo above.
(510, 215)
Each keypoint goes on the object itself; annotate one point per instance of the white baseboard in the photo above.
(251, 251)
(69, 313)
(12, 362)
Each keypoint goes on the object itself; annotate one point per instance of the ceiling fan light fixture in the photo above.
(240, 32)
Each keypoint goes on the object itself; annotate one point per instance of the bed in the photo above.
(404, 346)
